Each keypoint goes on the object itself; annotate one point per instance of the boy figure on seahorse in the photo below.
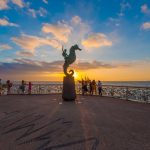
(69, 59)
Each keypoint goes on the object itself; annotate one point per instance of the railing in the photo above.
(38, 89)
(141, 94)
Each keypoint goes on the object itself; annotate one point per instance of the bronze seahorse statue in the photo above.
(69, 59)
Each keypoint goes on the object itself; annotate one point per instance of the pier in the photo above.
(45, 122)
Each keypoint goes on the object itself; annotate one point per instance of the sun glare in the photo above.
(76, 75)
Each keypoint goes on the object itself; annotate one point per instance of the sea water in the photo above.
(114, 83)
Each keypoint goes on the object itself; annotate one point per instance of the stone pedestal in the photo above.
(68, 93)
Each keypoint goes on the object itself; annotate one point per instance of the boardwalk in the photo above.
(44, 122)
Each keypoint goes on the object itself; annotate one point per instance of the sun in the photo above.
(76, 75)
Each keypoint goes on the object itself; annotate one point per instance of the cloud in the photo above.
(114, 21)
(76, 20)
(45, 1)
(76, 31)
(80, 30)
(24, 54)
(5, 47)
(96, 40)
(145, 26)
(27, 66)
(68, 32)
(4, 4)
(30, 43)
(41, 12)
(145, 9)
(30, 66)
(32, 12)
(19, 3)
(88, 65)
(124, 5)
(60, 31)
(5, 22)
(93, 65)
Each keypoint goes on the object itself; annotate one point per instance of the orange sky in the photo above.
(118, 71)
(136, 73)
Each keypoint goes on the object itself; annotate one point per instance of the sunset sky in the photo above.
(114, 36)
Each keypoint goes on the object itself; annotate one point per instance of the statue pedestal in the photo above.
(68, 93)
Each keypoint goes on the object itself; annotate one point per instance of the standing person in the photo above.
(90, 87)
(9, 85)
(100, 88)
(85, 87)
(0, 86)
(29, 88)
(94, 87)
(82, 82)
(23, 86)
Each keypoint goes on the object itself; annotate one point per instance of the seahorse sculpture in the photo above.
(69, 59)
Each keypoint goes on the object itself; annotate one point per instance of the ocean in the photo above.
(128, 83)
(115, 83)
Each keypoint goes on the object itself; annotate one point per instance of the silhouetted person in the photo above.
(90, 87)
(29, 88)
(9, 85)
(82, 83)
(100, 88)
(94, 87)
(0, 86)
(85, 87)
(22, 87)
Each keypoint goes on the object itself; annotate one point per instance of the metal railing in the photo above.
(141, 94)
